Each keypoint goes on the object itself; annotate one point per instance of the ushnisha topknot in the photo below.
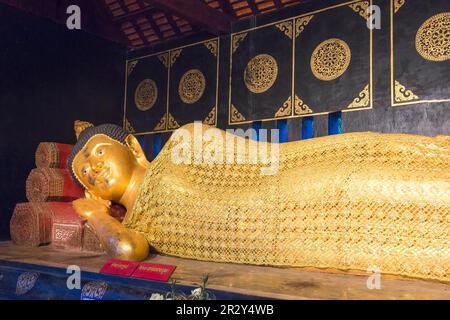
(79, 126)
(111, 130)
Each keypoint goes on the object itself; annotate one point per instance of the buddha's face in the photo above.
(105, 167)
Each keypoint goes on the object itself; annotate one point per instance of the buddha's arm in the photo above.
(118, 241)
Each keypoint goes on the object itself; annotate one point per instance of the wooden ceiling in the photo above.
(145, 23)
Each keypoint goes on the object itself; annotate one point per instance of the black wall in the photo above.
(50, 77)
(425, 118)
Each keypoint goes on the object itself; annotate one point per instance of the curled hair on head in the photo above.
(111, 130)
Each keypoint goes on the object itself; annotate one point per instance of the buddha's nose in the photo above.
(97, 167)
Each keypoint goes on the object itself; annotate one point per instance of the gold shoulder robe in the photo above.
(350, 201)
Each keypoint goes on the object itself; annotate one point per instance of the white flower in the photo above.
(197, 292)
(157, 296)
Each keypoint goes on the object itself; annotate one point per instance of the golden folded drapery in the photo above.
(348, 201)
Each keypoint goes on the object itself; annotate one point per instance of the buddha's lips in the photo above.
(102, 177)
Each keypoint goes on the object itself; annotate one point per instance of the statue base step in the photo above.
(42, 273)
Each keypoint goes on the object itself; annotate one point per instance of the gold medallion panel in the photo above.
(146, 94)
(261, 73)
(192, 86)
(420, 52)
(194, 76)
(330, 59)
(333, 60)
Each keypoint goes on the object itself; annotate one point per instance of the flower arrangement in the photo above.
(200, 293)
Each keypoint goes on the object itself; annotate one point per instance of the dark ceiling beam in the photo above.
(122, 6)
(196, 13)
(253, 6)
(148, 15)
(103, 17)
(133, 15)
(173, 24)
(139, 32)
(277, 4)
(155, 27)
(227, 8)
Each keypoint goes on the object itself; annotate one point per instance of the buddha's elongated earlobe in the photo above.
(136, 149)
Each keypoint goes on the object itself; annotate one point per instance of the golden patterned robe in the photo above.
(351, 201)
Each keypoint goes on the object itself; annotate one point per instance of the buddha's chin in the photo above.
(113, 195)
(107, 190)
(103, 193)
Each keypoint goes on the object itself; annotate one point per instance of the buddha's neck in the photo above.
(129, 197)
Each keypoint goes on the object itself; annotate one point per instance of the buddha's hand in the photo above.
(89, 207)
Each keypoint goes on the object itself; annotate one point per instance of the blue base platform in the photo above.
(41, 273)
(50, 283)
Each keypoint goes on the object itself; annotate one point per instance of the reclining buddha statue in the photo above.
(344, 202)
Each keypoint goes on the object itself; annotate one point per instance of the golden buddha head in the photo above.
(104, 159)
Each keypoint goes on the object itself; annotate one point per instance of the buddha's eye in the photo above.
(84, 172)
(101, 152)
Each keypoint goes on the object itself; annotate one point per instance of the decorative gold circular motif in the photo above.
(146, 95)
(330, 59)
(261, 73)
(433, 38)
(192, 86)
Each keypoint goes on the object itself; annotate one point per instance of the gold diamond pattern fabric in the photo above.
(344, 202)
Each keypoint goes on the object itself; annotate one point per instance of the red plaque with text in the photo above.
(151, 271)
(119, 267)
